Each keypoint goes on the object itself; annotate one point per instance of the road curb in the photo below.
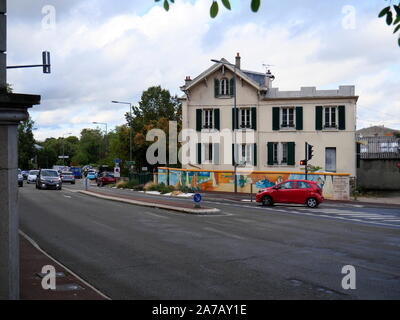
(151, 204)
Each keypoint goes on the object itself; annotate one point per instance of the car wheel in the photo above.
(267, 201)
(72, 182)
(312, 203)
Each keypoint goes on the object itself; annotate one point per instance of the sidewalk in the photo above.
(155, 202)
(68, 285)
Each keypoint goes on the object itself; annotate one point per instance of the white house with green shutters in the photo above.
(280, 121)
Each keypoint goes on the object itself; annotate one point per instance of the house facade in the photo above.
(280, 122)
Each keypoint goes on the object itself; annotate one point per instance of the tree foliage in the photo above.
(391, 14)
(26, 144)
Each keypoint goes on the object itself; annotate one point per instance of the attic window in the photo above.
(224, 87)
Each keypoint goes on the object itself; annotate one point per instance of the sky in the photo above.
(105, 50)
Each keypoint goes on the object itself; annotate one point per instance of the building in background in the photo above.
(282, 122)
(378, 165)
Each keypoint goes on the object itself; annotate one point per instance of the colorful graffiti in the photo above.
(224, 181)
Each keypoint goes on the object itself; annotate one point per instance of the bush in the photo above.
(185, 189)
(162, 188)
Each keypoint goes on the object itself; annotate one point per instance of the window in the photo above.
(224, 87)
(280, 153)
(208, 119)
(330, 159)
(244, 154)
(245, 118)
(302, 185)
(208, 153)
(287, 185)
(287, 117)
(330, 117)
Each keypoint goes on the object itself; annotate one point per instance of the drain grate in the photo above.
(69, 287)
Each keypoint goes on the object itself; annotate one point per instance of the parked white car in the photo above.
(32, 176)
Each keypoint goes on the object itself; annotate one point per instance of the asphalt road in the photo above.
(245, 252)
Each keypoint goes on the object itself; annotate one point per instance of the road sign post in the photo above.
(197, 199)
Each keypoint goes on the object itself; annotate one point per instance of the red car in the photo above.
(105, 178)
(292, 191)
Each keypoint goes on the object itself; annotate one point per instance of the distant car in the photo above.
(25, 174)
(20, 178)
(292, 191)
(105, 178)
(92, 175)
(32, 176)
(67, 177)
(48, 179)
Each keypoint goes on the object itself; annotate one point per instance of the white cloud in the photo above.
(97, 59)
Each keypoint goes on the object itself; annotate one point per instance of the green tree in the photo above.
(90, 147)
(156, 108)
(26, 144)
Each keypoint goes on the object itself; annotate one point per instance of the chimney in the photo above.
(237, 60)
(187, 80)
(269, 77)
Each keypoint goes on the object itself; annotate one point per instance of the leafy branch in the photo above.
(214, 9)
(392, 16)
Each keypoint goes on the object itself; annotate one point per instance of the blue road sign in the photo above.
(197, 198)
(117, 160)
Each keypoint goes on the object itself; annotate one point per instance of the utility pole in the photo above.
(235, 121)
(13, 110)
(130, 134)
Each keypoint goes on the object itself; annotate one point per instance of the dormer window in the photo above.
(223, 87)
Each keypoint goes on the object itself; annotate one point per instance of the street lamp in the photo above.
(130, 130)
(235, 120)
(104, 124)
(63, 156)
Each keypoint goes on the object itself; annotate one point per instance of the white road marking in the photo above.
(69, 197)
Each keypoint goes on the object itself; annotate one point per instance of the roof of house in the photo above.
(377, 131)
(253, 78)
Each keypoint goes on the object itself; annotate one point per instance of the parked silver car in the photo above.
(67, 176)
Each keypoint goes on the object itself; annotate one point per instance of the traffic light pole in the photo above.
(306, 153)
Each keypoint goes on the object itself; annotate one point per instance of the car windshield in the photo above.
(49, 173)
(34, 172)
(67, 173)
(109, 175)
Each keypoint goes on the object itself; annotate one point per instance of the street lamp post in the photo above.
(104, 124)
(130, 131)
(235, 120)
(63, 153)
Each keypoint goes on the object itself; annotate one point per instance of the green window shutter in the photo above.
(233, 154)
(199, 120)
(255, 154)
(358, 150)
(270, 152)
(291, 154)
(217, 120)
(216, 153)
(216, 87)
(299, 118)
(235, 123)
(254, 118)
(342, 118)
(232, 87)
(318, 118)
(275, 118)
(199, 153)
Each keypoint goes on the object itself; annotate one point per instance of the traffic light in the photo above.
(46, 62)
(309, 151)
(303, 162)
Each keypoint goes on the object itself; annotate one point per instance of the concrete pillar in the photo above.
(13, 110)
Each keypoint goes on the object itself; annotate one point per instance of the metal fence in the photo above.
(379, 147)
(142, 178)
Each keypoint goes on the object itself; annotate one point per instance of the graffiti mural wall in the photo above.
(334, 186)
